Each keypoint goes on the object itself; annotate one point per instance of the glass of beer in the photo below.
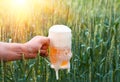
(60, 47)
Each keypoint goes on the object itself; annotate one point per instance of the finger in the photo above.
(45, 43)
(43, 53)
(44, 47)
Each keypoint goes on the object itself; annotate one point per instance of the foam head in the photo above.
(60, 36)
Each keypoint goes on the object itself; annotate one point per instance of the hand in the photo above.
(38, 43)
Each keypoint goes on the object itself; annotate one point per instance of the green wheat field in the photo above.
(95, 28)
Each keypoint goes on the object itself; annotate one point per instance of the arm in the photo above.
(14, 51)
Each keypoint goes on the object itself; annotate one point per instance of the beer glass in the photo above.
(60, 47)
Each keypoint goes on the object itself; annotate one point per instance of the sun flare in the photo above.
(19, 2)
(20, 10)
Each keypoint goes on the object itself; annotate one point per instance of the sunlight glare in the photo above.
(18, 5)
(19, 2)
(20, 10)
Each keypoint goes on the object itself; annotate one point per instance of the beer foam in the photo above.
(59, 28)
(60, 36)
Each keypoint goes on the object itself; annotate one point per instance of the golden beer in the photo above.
(60, 47)
(60, 57)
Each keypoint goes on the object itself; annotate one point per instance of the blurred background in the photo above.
(95, 27)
